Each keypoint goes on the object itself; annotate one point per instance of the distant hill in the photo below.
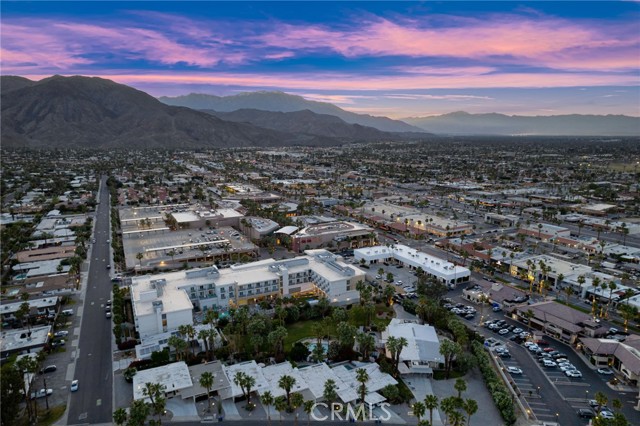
(98, 113)
(283, 102)
(309, 123)
(463, 123)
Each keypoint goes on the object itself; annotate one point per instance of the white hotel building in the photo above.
(444, 271)
(163, 302)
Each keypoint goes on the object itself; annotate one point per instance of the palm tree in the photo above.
(245, 382)
(460, 386)
(457, 418)
(188, 331)
(287, 383)
(280, 405)
(330, 392)
(431, 403)
(206, 381)
(612, 286)
(601, 399)
(308, 408)
(448, 406)
(156, 393)
(363, 377)
(296, 401)
(267, 400)
(419, 409)
(120, 416)
(628, 312)
(470, 406)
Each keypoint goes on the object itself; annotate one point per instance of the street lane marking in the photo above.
(98, 402)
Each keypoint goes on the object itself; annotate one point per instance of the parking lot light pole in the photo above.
(586, 395)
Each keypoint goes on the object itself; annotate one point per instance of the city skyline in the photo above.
(394, 59)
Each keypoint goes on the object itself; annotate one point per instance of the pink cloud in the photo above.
(540, 41)
(335, 82)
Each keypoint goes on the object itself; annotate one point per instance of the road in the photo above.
(92, 404)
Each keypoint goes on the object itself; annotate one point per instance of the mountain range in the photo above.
(463, 123)
(284, 102)
(98, 113)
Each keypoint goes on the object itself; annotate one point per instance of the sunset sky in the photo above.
(396, 59)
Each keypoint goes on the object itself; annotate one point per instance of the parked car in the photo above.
(504, 331)
(61, 333)
(573, 373)
(606, 414)
(586, 413)
(549, 364)
(605, 371)
(514, 370)
(108, 314)
(74, 386)
(48, 369)
(41, 393)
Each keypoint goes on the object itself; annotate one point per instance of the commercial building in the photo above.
(559, 321)
(444, 271)
(175, 378)
(622, 357)
(332, 234)
(257, 227)
(544, 231)
(524, 266)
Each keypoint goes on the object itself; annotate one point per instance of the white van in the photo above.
(67, 312)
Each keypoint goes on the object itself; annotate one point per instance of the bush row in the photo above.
(498, 390)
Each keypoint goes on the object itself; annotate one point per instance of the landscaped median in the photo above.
(499, 392)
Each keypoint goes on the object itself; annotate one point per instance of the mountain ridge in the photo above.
(464, 123)
(277, 101)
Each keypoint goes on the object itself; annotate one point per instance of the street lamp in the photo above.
(538, 390)
(586, 395)
(557, 416)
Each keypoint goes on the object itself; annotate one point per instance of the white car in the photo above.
(503, 331)
(514, 370)
(74, 386)
(573, 373)
(605, 371)
(566, 367)
(62, 333)
(41, 393)
(528, 344)
(549, 364)
(606, 414)
(517, 330)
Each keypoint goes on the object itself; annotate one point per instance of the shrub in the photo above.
(127, 344)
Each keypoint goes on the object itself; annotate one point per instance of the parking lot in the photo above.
(551, 394)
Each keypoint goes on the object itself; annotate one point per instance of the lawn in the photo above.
(303, 329)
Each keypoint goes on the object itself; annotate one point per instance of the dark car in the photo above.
(48, 369)
(586, 413)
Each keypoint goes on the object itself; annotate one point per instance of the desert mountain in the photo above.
(283, 102)
(309, 123)
(463, 123)
(98, 113)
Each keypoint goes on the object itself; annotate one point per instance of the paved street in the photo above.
(92, 404)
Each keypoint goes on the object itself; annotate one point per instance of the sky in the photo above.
(397, 59)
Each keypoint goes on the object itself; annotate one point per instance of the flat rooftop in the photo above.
(174, 377)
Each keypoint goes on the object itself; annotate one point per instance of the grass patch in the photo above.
(441, 375)
(300, 330)
(45, 418)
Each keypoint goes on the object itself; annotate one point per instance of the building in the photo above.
(163, 302)
(498, 294)
(505, 221)
(158, 307)
(544, 231)
(557, 267)
(46, 307)
(422, 353)
(444, 271)
(622, 357)
(175, 378)
(158, 342)
(257, 227)
(559, 321)
(332, 234)
(23, 340)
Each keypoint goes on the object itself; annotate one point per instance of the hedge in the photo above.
(498, 390)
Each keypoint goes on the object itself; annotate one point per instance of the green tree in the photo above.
(460, 386)
(308, 408)
(155, 392)
(362, 377)
(366, 343)
(330, 393)
(246, 383)
(419, 410)
(280, 405)
(267, 401)
(286, 383)
(120, 416)
(206, 381)
(431, 403)
(138, 413)
(296, 402)
(470, 406)
(449, 350)
(11, 385)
